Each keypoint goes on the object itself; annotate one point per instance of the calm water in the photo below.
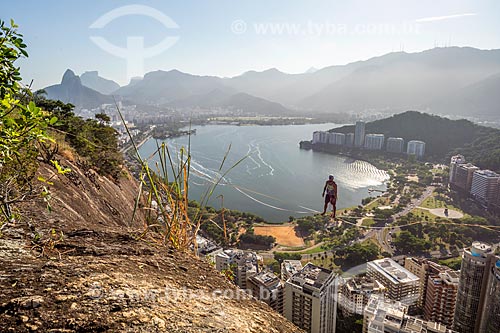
(277, 179)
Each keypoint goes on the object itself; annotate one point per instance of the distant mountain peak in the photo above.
(91, 79)
(311, 70)
(69, 77)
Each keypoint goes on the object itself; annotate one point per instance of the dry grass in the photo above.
(285, 234)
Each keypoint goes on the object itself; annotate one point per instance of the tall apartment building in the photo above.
(463, 177)
(337, 138)
(490, 322)
(310, 299)
(268, 288)
(445, 294)
(484, 186)
(359, 134)
(475, 274)
(441, 297)
(316, 137)
(289, 268)
(416, 148)
(395, 145)
(401, 285)
(349, 139)
(454, 163)
(355, 292)
(374, 141)
(389, 316)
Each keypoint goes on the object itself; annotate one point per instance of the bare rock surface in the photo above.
(81, 268)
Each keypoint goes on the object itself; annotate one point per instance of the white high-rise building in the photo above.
(316, 137)
(359, 134)
(310, 299)
(395, 145)
(484, 187)
(416, 148)
(337, 138)
(400, 283)
(374, 141)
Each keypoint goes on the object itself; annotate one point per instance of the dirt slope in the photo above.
(98, 278)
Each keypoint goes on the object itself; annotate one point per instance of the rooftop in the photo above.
(292, 266)
(487, 173)
(363, 285)
(393, 271)
(312, 275)
(266, 279)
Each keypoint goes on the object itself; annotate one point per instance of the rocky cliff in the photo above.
(83, 267)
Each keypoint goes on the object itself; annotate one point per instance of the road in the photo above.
(384, 239)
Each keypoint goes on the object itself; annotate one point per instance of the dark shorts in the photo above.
(329, 198)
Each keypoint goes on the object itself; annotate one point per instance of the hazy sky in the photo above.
(229, 37)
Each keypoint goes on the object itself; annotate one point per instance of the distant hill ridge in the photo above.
(92, 80)
(443, 137)
(458, 81)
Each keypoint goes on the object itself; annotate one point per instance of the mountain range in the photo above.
(453, 81)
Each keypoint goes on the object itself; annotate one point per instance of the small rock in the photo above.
(183, 268)
(62, 298)
(24, 318)
(28, 302)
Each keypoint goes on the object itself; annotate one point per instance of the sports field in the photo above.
(285, 234)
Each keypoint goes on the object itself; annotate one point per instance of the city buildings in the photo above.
(309, 299)
(463, 176)
(484, 187)
(359, 134)
(395, 145)
(268, 288)
(369, 141)
(242, 264)
(416, 148)
(374, 141)
(477, 297)
(401, 284)
(389, 316)
(355, 292)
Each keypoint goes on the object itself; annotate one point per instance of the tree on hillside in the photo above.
(22, 127)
